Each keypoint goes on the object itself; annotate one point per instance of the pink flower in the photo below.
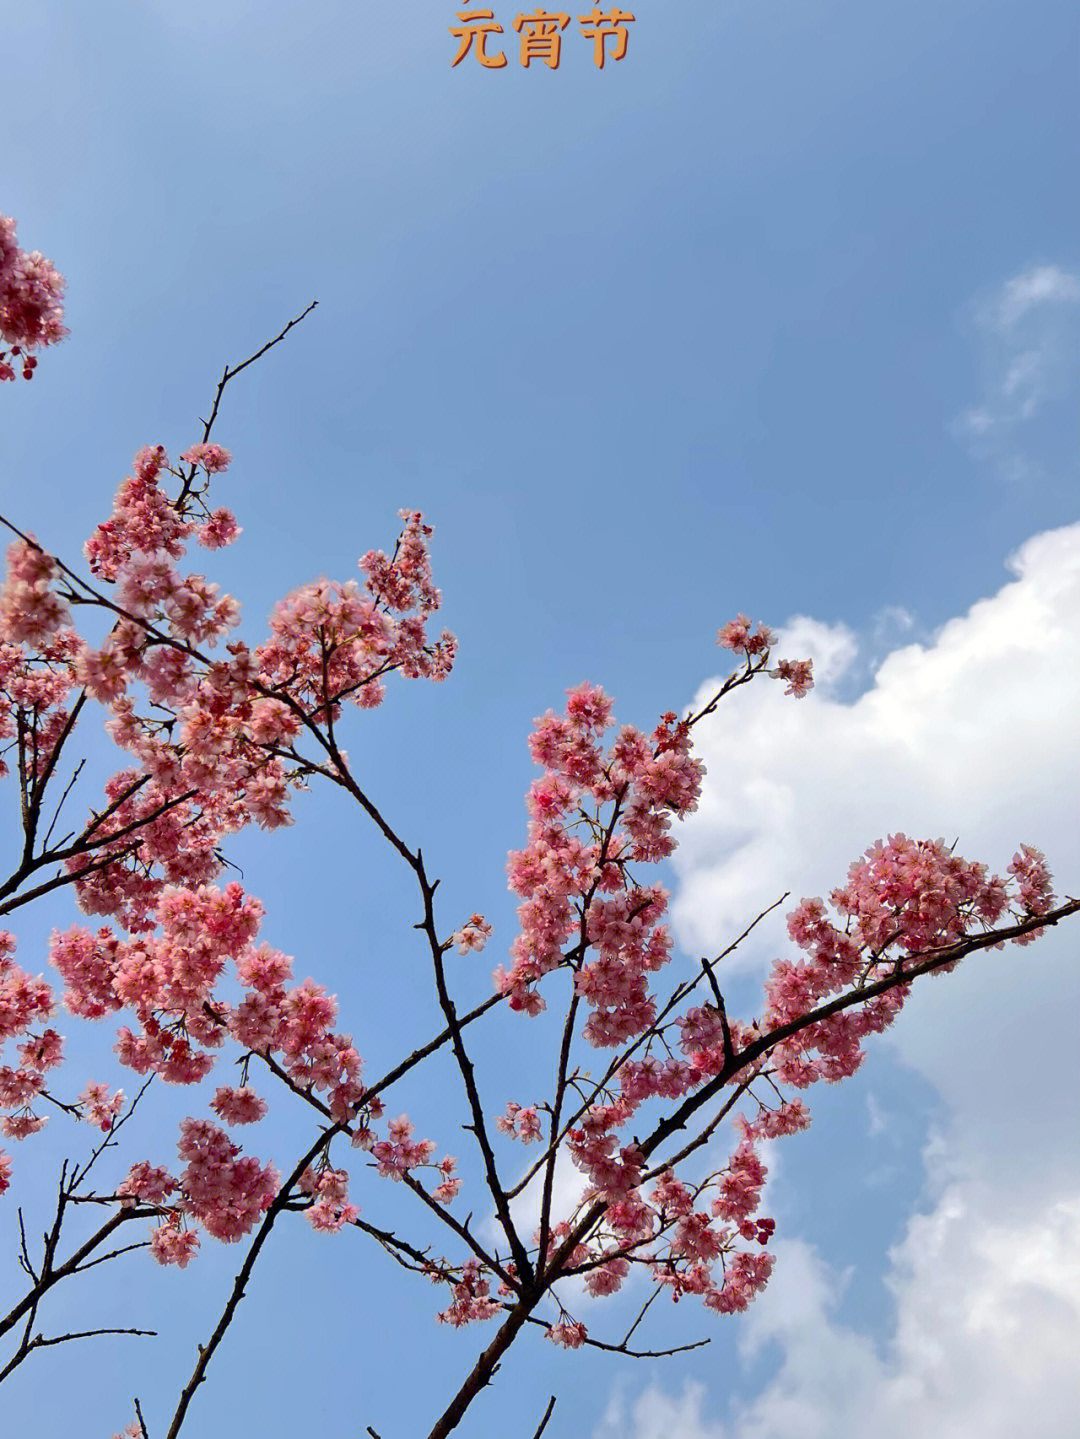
(213, 458)
(238, 1106)
(169, 1244)
(799, 675)
(144, 1182)
(518, 1123)
(473, 934)
(29, 611)
(101, 1108)
(568, 1332)
(219, 530)
(736, 636)
(21, 1126)
(31, 310)
(472, 1301)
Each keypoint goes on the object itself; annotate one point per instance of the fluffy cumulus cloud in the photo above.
(1027, 334)
(970, 735)
(987, 1329)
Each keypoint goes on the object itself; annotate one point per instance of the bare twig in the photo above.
(547, 1416)
(478, 1126)
(623, 1346)
(40, 1342)
(230, 373)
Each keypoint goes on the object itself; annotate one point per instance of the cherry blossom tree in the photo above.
(217, 733)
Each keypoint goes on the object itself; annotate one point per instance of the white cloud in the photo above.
(656, 1415)
(972, 734)
(568, 1187)
(1027, 334)
(984, 1345)
(969, 733)
(877, 1120)
(1042, 285)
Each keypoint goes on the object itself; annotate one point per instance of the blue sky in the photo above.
(779, 315)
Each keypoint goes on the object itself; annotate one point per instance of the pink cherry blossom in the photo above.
(238, 1106)
(472, 935)
(101, 1108)
(212, 458)
(31, 309)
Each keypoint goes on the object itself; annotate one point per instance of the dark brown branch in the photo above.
(40, 1342)
(705, 1135)
(754, 666)
(483, 1370)
(725, 1027)
(623, 1347)
(113, 1254)
(50, 1276)
(78, 1175)
(230, 373)
(462, 1230)
(207, 1350)
(468, 1075)
(393, 1075)
(641, 1315)
(547, 1416)
(63, 799)
(56, 883)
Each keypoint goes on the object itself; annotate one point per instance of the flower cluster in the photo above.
(399, 1154)
(472, 935)
(238, 1106)
(31, 308)
(472, 1298)
(595, 816)
(170, 980)
(24, 1003)
(904, 901)
(519, 1123)
(330, 1209)
(224, 1190)
(755, 644)
(576, 854)
(210, 739)
(333, 642)
(30, 612)
(99, 1107)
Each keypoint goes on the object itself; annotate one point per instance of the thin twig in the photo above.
(622, 1347)
(40, 1342)
(230, 373)
(547, 1416)
(478, 1127)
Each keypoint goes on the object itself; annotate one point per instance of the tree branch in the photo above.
(206, 1352)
